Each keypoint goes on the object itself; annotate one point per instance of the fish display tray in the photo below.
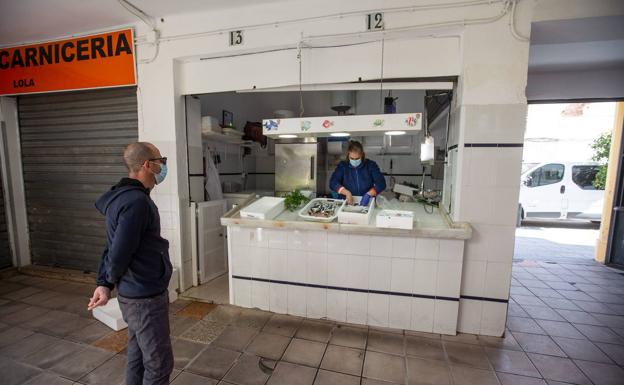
(347, 214)
(303, 213)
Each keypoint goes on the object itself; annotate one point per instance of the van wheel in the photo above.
(520, 216)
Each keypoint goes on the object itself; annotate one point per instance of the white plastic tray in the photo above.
(356, 218)
(263, 208)
(303, 212)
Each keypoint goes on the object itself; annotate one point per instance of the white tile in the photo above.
(316, 241)
(380, 273)
(493, 318)
(278, 264)
(337, 243)
(357, 276)
(403, 247)
(445, 318)
(242, 292)
(497, 280)
(476, 205)
(316, 269)
(507, 166)
(402, 275)
(260, 295)
(316, 302)
(337, 269)
(297, 266)
(337, 305)
(481, 167)
(297, 300)
(469, 318)
(357, 307)
(449, 279)
(501, 244)
(473, 278)
(400, 312)
(278, 239)
(259, 262)
(505, 206)
(278, 298)
(451, 250)
(378, 309)
(425, 277)
(297, 240)
(258, 238)
(381, 246)
(239, 235)
(241, 260)
(427, 248)
(359, 244)
(423, 310)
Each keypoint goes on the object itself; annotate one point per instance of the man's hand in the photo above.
(101, 295)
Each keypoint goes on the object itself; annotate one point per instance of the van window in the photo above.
(545, 175)
(584, 176)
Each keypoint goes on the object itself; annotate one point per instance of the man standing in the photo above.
(136, 260)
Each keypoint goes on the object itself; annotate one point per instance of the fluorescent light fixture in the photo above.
(340, 134)
(393, 133)
(287, 136)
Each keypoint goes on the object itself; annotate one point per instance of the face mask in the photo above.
(355, 162)
(160, 177)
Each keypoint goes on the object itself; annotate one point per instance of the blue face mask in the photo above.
(160, 177)
(355, 162)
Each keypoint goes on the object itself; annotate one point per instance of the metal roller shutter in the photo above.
(72, 146)
(5, 250)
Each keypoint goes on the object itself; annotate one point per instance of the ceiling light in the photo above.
(393, 133)
(287, 136)
(340, 134)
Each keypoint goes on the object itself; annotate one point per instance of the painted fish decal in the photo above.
(378, 123)
(327, 123)
(410, 121)
(271, 125)
(305, 125)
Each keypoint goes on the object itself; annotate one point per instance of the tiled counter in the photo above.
(357, 274)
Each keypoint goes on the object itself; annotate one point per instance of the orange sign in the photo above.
(103, 60)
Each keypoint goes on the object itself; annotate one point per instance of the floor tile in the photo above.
(513, 362)
(213, 362)
(580, 317)
(314, 331)
(24, 315)
(89, 333)
(349, 336)
(267, 345)
(463, 375)
(615, 352)
(251, 318)
(602, 374)
(223, 314)
(514, 379)
(51, 355)
(344, 360)
(558, 369)
(246, 371)
(292, 374)
(112, 372)
(325, 377)
(506, 342)
(283, 325)
(543, 313)
(186, 378)
(114, 342)
(464, 338)
(515, 310)
(185, 351)
(426, 372)
(235, 337)
(16, 373)
(386, 342)
(541, 292)
(28, 345)
(11, 335)
(467, 355)
(179, 325)
(535, 343)
(594, 307)
(582, 350)
(575, 295)
(387, 367)
(612, 321)
(305, 352)
(425, 348)
(196, 310)
(22, 293)
(525, 325)
(370, 381)
(81, 362)
(48, 378)
(560, 303)
(560, 329)
(528, 300)
(599, 334)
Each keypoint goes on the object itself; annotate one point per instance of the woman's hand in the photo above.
(347, 195)
(372, 192)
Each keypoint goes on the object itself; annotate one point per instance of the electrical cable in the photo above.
(381, 77)
(512, 23)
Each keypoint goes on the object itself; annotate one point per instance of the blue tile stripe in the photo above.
(383, 292)
(499, 145)
(484, 299)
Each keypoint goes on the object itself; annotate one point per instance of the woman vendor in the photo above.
(357, 176)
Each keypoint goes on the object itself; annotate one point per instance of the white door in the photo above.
(582, 196)
(541, 193)
(211, 243)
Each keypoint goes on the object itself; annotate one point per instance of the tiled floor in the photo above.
(541, 241)
(216, 291)
(565, 326)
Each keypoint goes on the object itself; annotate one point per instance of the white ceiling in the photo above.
(35, 20)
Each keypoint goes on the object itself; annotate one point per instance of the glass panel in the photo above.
(584, 176)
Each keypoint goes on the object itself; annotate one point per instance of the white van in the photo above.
(561, 190)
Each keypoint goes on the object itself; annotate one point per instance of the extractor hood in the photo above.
(349, 125)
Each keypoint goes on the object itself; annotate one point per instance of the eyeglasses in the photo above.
(162, 160)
